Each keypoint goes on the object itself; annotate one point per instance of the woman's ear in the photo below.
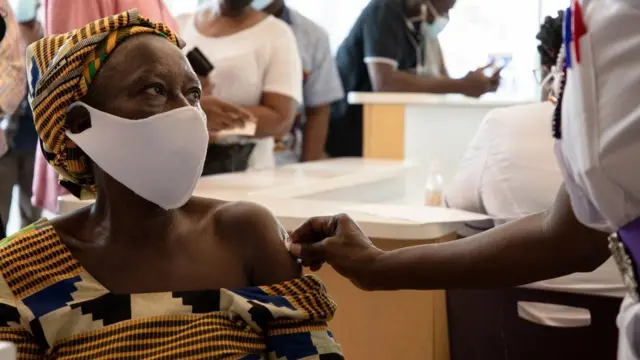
(78, 119)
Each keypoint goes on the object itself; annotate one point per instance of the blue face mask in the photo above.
(24, 10)
(260, 4)
(439, 21)
(436, 27)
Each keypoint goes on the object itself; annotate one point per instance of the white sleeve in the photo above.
(283, 72)
(465, 192)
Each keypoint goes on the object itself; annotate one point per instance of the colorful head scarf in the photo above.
(60, 71)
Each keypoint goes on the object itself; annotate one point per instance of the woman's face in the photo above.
(145, 76)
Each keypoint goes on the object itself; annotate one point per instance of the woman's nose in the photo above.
(177, 101)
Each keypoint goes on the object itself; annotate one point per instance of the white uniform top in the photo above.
(262, 58)
(600, 146)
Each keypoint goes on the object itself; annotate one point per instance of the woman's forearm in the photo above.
(315, 133)
(538, 247)
(270, 122)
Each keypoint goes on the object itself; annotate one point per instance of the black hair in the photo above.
(550, 36)
(3, 24)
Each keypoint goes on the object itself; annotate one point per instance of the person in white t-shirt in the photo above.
(510, 171)
(257, 67)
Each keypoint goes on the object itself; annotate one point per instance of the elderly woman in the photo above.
(139, 273)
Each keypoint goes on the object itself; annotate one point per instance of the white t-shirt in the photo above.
(509, 171)
(263, 58)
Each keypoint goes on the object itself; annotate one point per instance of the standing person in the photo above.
(12, 79)
(65, 15)
(393, 46)
(257, 67)
(12, 74)
(597, 132)
(510, 171)
(17, 165)
(321, 86)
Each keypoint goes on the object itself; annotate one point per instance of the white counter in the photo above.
(295, 193)
(393, 98)
(424, 128)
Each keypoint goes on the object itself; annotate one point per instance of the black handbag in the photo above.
(227, 158)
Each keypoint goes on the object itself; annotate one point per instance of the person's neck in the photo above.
(130, 218)
(238, 15)
(276, 8)
(411, 8)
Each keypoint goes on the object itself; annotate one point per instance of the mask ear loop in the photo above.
(434, 11)
(423, 12)
(547, 79)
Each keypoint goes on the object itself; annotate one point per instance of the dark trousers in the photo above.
(227, 158)
(3, 233)
(16, 168)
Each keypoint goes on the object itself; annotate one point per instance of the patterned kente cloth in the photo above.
(60, 71)
(52, 308)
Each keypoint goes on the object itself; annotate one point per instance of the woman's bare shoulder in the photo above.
(260, 236)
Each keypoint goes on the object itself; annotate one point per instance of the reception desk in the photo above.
(384, 197)
(425, 128)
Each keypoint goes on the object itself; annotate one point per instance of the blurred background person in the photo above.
(510, 171)
(17, 165)
(12, 74)
(321, 86)
(66, 15)
(12, 85)
(256, 67)
(62, 16)
(393, 46)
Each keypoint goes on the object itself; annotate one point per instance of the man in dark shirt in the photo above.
(382, 48)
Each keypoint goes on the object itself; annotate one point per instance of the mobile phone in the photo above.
(200, 64)
(498, 62)
(496, 71)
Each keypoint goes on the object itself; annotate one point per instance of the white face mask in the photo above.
(439, 21)
(160, 158)
(260, 4)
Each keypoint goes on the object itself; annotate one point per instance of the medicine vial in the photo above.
(434, 186)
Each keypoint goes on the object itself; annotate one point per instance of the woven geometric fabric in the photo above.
(51, 307)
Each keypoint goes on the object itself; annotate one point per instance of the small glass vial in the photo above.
(434, 186)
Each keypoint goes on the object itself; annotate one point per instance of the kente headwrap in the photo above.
(60, 71)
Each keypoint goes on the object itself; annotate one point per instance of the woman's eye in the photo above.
(195, 95)
(156, 90)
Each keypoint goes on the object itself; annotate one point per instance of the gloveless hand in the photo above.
(339, 242)
(223, 116)
(476, 83)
